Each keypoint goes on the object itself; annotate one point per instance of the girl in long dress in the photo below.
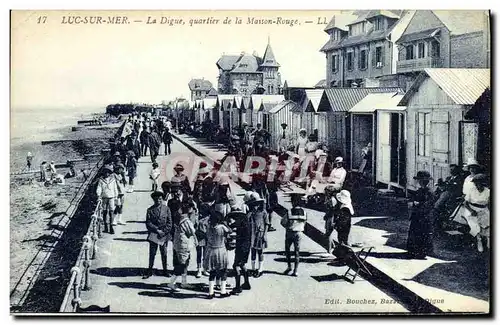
(419, 242)
(216, 260)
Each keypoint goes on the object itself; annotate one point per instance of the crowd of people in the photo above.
(210, 217)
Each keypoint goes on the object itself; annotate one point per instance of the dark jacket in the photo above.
(167, 137)
(159, 218)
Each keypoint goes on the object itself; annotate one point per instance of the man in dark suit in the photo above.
(159, 225)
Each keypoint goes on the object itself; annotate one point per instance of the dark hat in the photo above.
(156, 194)
(481, 179)
(423, 174)
(120, 165)
(203, 164)
(179, 167)
(284, 125)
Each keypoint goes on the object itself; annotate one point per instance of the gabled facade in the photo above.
(200, 88)
(249, 74)
(444, 39)
(362, 50)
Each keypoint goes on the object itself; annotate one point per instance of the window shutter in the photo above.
(374, 58)
(382, 55)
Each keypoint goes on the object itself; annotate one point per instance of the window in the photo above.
(272, 89)
(362, 60)
(421, 50)
(335, 63)
(350, 60)
(435, 49)
(409, 52)
(424, 134)
(378, 23)
(378, 57)
(268, 89)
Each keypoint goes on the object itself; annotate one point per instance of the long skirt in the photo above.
(419, 240)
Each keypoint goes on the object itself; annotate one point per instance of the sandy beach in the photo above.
(35, 208)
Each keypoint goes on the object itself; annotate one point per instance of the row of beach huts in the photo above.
(442, 119)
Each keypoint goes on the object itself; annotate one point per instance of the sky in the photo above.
(55, 64)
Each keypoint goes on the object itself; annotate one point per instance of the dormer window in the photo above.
(357, 29)
(243, 65)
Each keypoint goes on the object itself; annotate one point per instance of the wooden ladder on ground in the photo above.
(359, 259)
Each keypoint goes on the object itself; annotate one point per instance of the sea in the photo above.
(31, 125)
(35, 124)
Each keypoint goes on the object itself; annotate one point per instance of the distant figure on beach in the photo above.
(43, 171)
(29, 160)
(53, 170)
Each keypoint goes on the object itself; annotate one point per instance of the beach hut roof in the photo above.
(463, 86)
(257, 100)
(312, 99)
(372, 102)
(343, 99)
(282, 105)
(238, 99)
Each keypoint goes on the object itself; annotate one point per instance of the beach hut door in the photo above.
(384, 144)
(440, 144)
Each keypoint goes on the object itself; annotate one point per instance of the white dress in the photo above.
(302, 142)
(479, 224)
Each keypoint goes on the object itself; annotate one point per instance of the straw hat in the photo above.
(472, 162)
(302, 130)
(108, 168)
(254, 199)
(423, 175)
(344, 197)
(338, 160)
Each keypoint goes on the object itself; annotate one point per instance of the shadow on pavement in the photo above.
(170, 294)
(145, 232)
(137, 285)
(136, 221)
(329, 277)
(130, 239)
(467, 274)
(121, 271)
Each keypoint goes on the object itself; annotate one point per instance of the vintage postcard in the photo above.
(250, 162)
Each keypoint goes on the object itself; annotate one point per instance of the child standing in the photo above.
(132, 169)
(154, 176)
(181, 178)
(243, 227)
(294, 222)
(183, 231)
(121, 182)
(260, 224)
(215, 261)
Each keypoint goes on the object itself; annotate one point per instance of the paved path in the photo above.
(432, 280)
(116, 274)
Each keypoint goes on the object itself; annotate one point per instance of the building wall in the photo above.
(274, 82)
(467, 51)
(245, 83)
(198, 94)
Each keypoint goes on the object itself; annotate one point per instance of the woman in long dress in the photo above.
(419, 242)
(477, 212)
(301, 143)
(216, 260)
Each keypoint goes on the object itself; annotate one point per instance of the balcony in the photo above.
(418, 64)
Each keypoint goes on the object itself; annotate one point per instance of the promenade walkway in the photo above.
(116, 274)
(455, 279)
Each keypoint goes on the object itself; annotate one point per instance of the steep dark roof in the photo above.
(269, 60)
(200, 84)
(226, 62)
(246, 64)
(387, 13)
(418, 35)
